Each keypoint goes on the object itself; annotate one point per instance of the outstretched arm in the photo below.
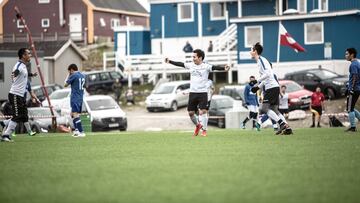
(175, 63)
(225, 68)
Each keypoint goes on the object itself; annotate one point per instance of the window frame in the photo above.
(305, 5)
(18, 24)
(246, 45)
(2, 71)
(182, 20)
(113, 22)
(320, 5)
(43, 1)
(42, 22)
(212, 17)
(306, 35)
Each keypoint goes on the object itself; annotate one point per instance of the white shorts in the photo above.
(253, 108)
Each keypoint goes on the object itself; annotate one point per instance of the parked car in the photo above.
(332, 84)
(100, 82)
(39, 92)
(299, 98)
(220, 104)
(40, 119)
(60, 99)
(105, 113)
(168, 96)
(234, 91)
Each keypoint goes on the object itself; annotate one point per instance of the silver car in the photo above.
(168, 96)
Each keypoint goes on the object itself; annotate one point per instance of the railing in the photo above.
(43, 36)
(227, 39)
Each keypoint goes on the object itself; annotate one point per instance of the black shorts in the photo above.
(284, 111)
(271, 96)
(318, 109)
(197, 100)
(351, 101)
(19, 109)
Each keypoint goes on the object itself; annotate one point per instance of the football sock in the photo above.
(204, 120)
(273, 115)
(194, 119)
(77, 123)
(352, 119)
(27, 126)
(11, 128)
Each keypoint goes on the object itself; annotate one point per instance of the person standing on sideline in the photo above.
(317, 106)
(252, 103)
(16, 93)
(117, 88)
(271, 95)
(77, 81)
(353, 87)
(198, 97)
(187, 48)
(283, 101)
(210, 48)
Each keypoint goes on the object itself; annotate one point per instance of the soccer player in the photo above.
(77, 81)
(16, 93)
(353, 90)
(317, 106)
(283, 101)
(272, 90)
(252, 103)
(198, 98)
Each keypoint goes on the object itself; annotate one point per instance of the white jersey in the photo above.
(283, 101)
(199, 75)
(210, 86)
(266, 74)
(18, 86)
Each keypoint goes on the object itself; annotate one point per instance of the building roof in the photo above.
(50, 49)
(125, 5)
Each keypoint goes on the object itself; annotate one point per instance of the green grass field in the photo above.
(314, 165)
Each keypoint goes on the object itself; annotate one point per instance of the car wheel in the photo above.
(122, 129)
(221, 123)
(150, 110)
(330, 93)
(174, 106)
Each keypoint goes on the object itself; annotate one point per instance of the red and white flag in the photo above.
(287, 40)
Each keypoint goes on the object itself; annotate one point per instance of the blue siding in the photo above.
(210, 27)
(259, 7)
(335, 5)
(140, 42)
(291, 4)
(172, 27)
(341, 31)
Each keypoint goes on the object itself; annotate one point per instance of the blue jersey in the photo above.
(77, 82)
(354, 69)
(28, 88)
(250, 97)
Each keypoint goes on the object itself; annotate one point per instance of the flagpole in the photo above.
(278, 46)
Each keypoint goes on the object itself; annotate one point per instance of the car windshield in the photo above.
(101, 104)
(324, 74)
(59, 94)
(164, 89)
(292, 87)
(224, 103)
(115, 75)
(40, 112)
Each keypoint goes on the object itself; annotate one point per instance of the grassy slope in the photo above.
(315, 165)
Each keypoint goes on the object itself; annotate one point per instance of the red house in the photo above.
(76, 19)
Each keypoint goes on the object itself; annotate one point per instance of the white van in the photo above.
(168, 96)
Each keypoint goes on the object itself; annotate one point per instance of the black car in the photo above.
(332, 84)
(100, 82)
(39, 91)
(234, 91)
(220, 104)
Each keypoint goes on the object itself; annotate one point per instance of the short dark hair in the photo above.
(252, 77)
(258, 48)
(199, 53)
(72, 67)
(352, 51)
(283, 86)
(21, 52)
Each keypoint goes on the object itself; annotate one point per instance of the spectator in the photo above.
(117, 89)
(188, 48)
(210, 48)
(283, 101)
(130, 96)
(317, 106)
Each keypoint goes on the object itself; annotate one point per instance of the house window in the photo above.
(217, 11)
(45, 22)
(301, 6)
(19, 24)
(185, 12)
(102, 22)
(314, 33)
(323, 5)
(44, 1)
(2, 72)
(253, 34)
(115, 23)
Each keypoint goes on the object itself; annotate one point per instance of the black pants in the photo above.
(19, 109)
(351, 101)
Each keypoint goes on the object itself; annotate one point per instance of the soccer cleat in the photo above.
(6, 138)
(318, 125)
(287, 131)
(197, 129)
(351, 129)
(312, 126)
(75, 133)
(32, 133)
(242, 125)
(82, 134)
(257, 126)
(204, 134)
(281, 128)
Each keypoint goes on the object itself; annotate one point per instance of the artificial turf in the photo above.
(313, 165)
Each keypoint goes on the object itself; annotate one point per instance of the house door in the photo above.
(121, 43)
(75, 26)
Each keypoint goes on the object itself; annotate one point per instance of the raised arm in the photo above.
(175, 63)
(225, 68)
